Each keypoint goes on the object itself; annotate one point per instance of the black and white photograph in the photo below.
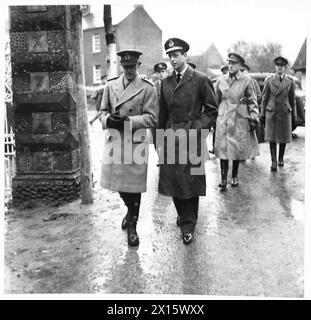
(156, 149)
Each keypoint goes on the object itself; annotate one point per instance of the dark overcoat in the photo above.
(139, 102)
(278, 105)
(190, 104)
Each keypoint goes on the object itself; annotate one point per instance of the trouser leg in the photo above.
(134, 205)
(235, 168)
(281, 151)
(273, 151)
(224, 164)
(134, 202)
(124, 196)
(214, 136)
(273, 156)
(188, 211)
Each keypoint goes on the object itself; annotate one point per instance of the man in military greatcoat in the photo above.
(278, 111)
(129, 106)
(187, 101)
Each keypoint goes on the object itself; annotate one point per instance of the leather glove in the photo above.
(116, 121)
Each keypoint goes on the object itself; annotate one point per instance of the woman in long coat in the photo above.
(129, 107)
(278, 111)
(237, 117)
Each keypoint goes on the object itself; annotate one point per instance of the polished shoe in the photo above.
(178, 221)
(281, 163)
(187, 238)
(274, 166)
(125, 222)
(234, 182)
(132, 236)
(223, 184)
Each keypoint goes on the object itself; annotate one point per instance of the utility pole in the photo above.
(111, 58)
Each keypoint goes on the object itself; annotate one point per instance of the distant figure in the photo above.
(161, 68)
(160, 73)
(245, 70)
(236, 121)
(155, 77)
(224, 69)
(260, 130)
(278, 110)
(97, 96)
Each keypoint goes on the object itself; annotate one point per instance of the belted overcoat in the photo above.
(278, 106)
(237, 107)
(138, 101)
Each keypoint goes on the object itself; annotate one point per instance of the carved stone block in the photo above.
(43, 162)
(39, 82)
(41, 122)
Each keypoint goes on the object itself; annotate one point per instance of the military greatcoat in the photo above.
(190, 104)
(138, 101)
(278, 106)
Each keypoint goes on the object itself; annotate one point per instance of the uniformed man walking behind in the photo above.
(278, 111)
(129, 102)
(237, 117)
(187, 102)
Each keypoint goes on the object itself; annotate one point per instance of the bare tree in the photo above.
(259, 57)
(111, 59)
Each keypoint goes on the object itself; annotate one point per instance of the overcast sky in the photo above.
(221, 22)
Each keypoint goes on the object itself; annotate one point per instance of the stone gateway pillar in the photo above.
(44, 102)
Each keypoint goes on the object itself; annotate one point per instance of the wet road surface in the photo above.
(248, 240)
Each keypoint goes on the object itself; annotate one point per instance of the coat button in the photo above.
(130, 109)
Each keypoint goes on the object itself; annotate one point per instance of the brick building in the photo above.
(137, 31)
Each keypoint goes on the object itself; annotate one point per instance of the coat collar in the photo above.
(236, 77)
(187, 76)
(123, 95)
(278, 84)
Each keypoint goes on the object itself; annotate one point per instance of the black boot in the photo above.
(281, 154)
(125, 198)
(132, 236)
(235, 169)
(224, 172)
(125, 221)
(273, 156)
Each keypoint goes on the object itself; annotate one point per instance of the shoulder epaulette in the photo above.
(147, 80)
(113, 78)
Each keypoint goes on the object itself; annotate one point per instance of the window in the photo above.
(96, 43)
(97, 72)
